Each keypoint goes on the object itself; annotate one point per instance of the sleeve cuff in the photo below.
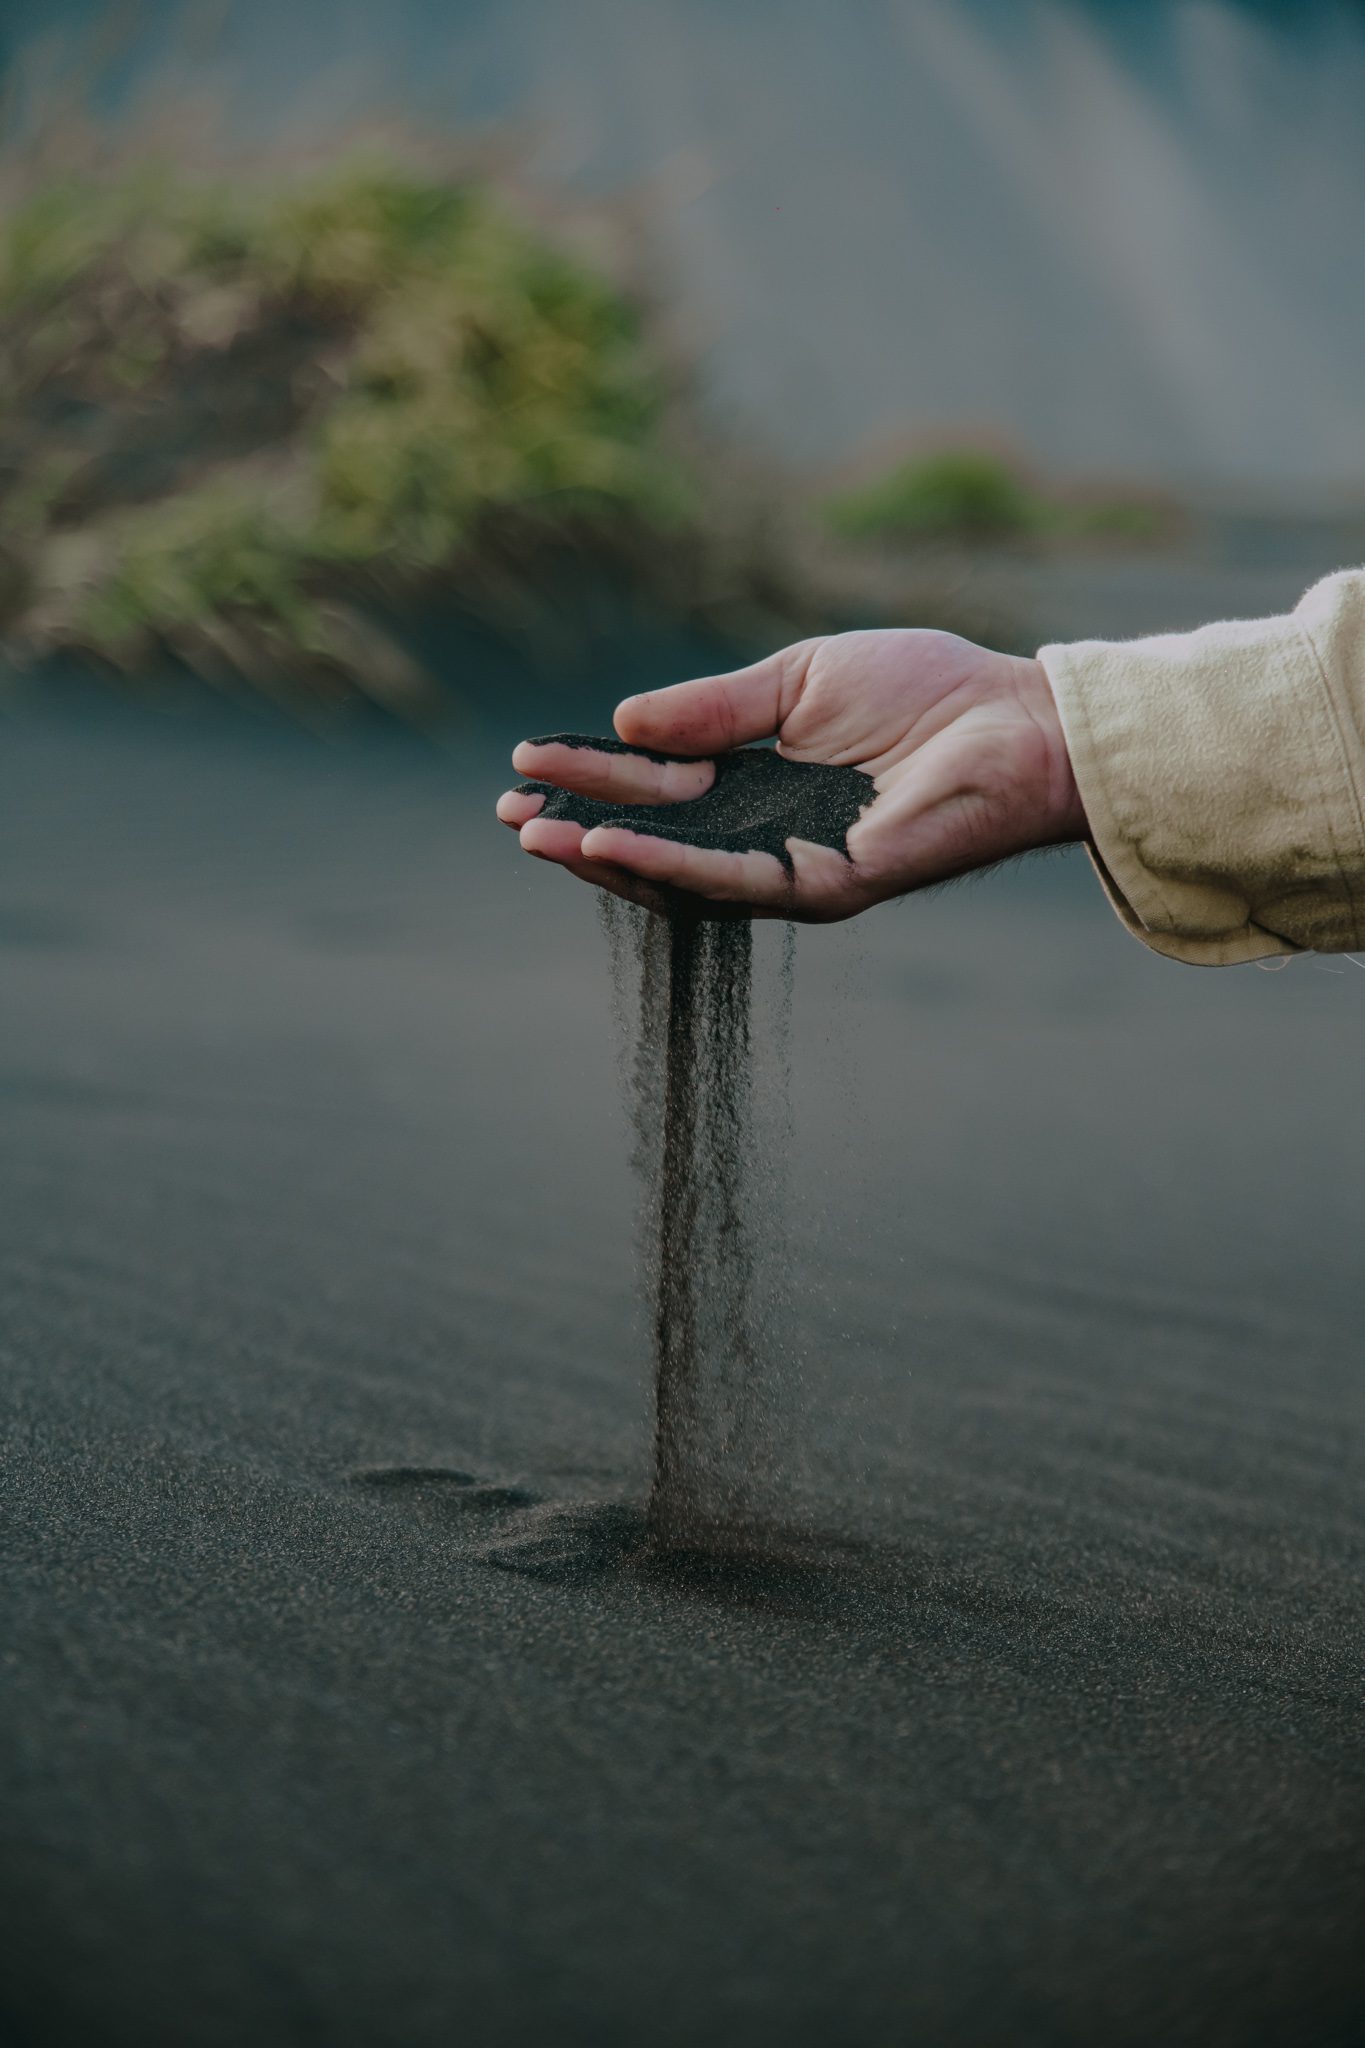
(1218, 786)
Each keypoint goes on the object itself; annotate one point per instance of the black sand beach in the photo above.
(334, 1710)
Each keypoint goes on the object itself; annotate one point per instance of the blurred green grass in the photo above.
(973, 496)
(252, 425)
(235, 419)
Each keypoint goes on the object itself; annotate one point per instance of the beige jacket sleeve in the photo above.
(1222, 775)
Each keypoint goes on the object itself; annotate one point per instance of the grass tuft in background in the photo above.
(257, 426)
(232, 415)
(971, 495)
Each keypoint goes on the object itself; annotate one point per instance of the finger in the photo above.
(613, 778)
(617, 882)
(714, 713)
(516, 807)
(552, 838)
(752, 878)
(558, 841)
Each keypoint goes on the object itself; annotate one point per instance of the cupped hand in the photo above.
(964, 746)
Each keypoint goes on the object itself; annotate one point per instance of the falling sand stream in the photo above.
(707, 1182)
(707, 1150)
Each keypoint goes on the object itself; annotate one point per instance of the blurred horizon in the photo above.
(1109, 240)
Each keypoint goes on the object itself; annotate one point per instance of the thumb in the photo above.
(714, 713)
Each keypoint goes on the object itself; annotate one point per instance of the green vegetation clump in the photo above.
(961, 494)
(250, 424)
(235, 420)
(969, 495)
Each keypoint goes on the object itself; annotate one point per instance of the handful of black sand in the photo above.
(758, 801)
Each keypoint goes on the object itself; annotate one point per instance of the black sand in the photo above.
(706, 1221)
(332, 1710)
(757, 802)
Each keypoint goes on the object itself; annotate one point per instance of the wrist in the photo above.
(1061, 814)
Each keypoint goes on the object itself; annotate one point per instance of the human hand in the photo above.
(965, 748)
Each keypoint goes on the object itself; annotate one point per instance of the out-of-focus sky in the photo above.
(1124, 238)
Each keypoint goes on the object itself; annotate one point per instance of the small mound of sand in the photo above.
(758, 801)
